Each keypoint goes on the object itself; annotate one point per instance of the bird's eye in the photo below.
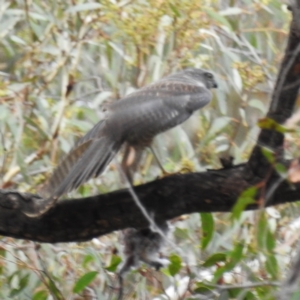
(209, 75)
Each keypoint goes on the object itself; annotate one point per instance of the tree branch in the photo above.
(167, 198)
(283, 99)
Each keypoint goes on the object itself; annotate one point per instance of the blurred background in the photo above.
(60, 61)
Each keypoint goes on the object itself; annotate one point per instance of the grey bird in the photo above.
(134, 121)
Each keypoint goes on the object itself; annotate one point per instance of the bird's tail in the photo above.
(69, 175)
(87, 159)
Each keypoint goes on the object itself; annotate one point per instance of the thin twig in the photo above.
(249, 285)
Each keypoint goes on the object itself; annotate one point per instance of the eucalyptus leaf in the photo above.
(84, 281)
(84, 7)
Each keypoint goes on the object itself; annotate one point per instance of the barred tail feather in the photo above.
(95, 133)
(92, 163)
(95, 155)
(63, 169)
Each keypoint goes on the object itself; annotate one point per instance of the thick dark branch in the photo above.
(83, 219)
(283, 100)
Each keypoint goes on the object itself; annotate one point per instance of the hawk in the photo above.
(134, 120)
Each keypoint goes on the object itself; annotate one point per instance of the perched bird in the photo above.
(134, 120)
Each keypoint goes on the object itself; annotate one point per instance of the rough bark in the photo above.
(211, 191)
(83, 219)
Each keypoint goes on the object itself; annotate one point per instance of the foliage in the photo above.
(61, 60)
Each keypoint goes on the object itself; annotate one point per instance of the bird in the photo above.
(133, 121)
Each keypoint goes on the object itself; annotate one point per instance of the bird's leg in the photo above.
(130, 162)
(165, 173)
(127, 161)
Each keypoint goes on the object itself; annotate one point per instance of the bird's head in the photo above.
(203, 76)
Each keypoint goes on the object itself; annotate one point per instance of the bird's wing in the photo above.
(174, 91)
(160, 106)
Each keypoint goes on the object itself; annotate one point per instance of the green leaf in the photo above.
(218, 125)
(37, 127)
(181, 233)
(272, 266)
(224, 295)
(261, 231)
(54, 290)
(83, 126)
(84, 190)
(281, 169)
(213, 259)
(23, 281)
(84, 281)
(175, 10)
(217, 17)
(87, 259)
(270, 241)
(2, 256)
(109, 52)
(202, 288)
(295, 296)
(268, 154)
(250, 296)
(234, 293)
(114, 262)
(235, 257)
(175, 264)
(14, 292)
(258, 104)
(83, 7)
(237, 253)
(247, 197)
(40, 295)
(271, 124)
(208, 227)
(231, 11)
(4, 113)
